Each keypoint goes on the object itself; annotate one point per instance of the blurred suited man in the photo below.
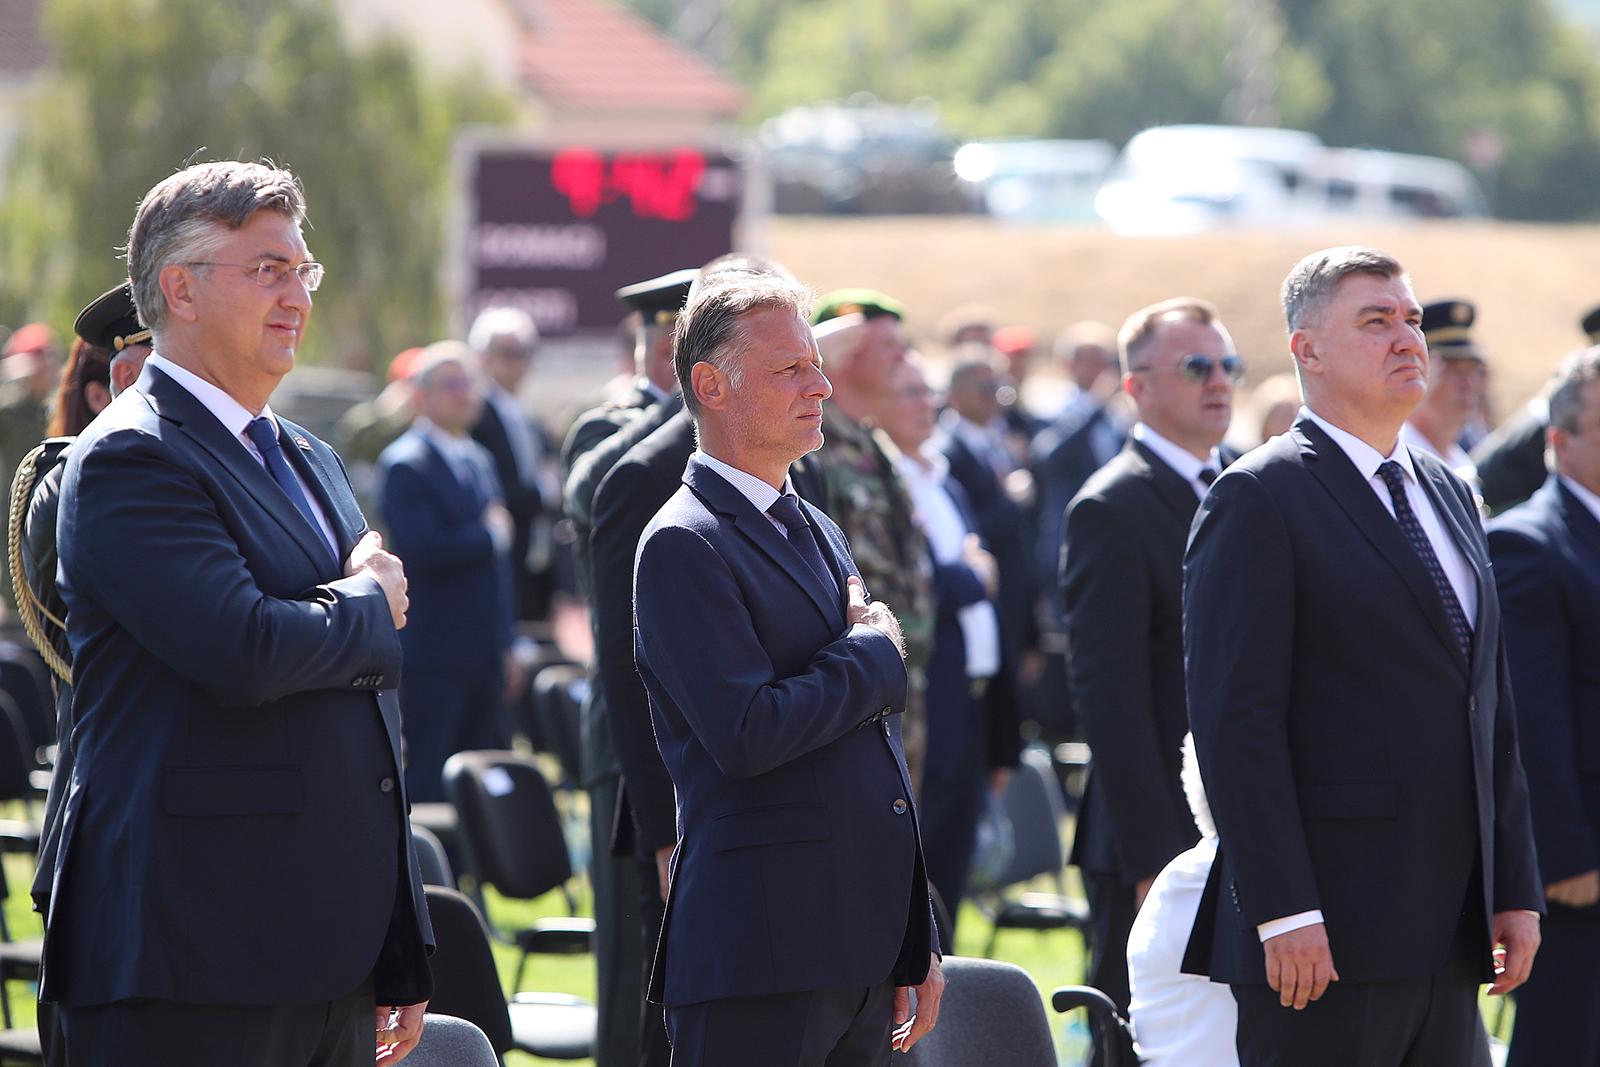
(798, 913)
(1546, 556)
(1459, 379)
(1122, 584)
(1351, 711)
(235, 882)
(505, 340)
(441, 501)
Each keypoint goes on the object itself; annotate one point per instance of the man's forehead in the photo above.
(1187, 334)
(1377, 290)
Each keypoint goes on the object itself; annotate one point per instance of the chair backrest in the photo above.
(431, 857)
(1112, 1039)
(16, 751)
(24, 677)
(991, 1013)
(1035, 806)
(509, 822)
(451, 1042)
(465, 983)
(559, 691)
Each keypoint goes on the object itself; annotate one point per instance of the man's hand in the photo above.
(909, 1028)
(1517, 932)
(395, 1043)
(1142, 890)
(1579, 891)
(514, 677)
(1300, 965)
(664, 869)
(498, 521)
(876, 615)
(981, 563)
(369, 556)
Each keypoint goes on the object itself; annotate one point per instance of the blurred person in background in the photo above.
(1122, 585)
(29, 366)
(971, 740)
(865, 495)
(1546, 555)
(1015, 345)
(1458, 379)
(440, 498)
(967, 324)
(1268, 411)
(505, 341)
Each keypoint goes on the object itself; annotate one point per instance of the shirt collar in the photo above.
(233, 415)
(1179, 459)
(1456, 458)
(652, 390)
(977, 438)
(1367, 459)
(758, 492)
(1589, 500)
(452, 446)
(928, 465)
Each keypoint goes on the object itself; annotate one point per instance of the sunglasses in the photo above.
(1198, 368)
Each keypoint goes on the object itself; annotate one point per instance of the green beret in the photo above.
(869, 302)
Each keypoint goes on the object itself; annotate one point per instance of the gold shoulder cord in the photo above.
(28, 605)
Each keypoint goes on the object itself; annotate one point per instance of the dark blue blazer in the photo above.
(798, 864)
(235, 827)
(1355, 761)
(459, 584)
(1547, 566)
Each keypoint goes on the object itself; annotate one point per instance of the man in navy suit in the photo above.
(442, 504)
(235, 881)
(798, 919)
(1547, 568)
(1351, 712)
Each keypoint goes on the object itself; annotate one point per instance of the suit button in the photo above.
(900, 807)
(1472, 705)
(386, 786)
(887, 710)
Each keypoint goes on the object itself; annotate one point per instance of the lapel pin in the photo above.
(305, 445)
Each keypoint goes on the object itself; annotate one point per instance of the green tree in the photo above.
(146, 86)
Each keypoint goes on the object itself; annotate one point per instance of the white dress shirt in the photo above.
(758, 492)
(936, 512)
(1179, 459)
(986, 442)
(1463, 581)
(234, 417)
(1179, 1020)
(1455, 457)
(1589, 500)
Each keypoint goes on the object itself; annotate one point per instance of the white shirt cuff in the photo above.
(1288, 923)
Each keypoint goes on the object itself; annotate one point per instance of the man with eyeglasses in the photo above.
(235, 880)
(1122, 586)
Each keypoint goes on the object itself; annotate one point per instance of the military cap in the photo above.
(1590, 325)
(1447, 326)
(659, 299)
(868, 302)
(111, 322)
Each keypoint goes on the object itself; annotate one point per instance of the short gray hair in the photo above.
(442, 354)
(188, 215)
(1310, 285)
(502, 322)
(708, 329)
(1566, 388)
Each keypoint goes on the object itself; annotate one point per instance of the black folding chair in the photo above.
(550, 1025)
(1112, 1038)
(514, 841)
(559, 691)
(991, 1013)
(431, 857)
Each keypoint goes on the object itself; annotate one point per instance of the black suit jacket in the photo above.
(235, 829)
(1547, 567)
(1061, 460)
(1001, 525)
(1122, 583)
(523, 500)
(798, 866)
(1510, 461)
(1355, 761)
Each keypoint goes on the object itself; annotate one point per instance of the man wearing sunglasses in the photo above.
(1122, 585)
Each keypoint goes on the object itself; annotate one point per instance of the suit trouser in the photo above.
(847, 1027)
(448, 710)
(1417, 1022)
(655, 1050)
(1558, 1010)
(617, 951)
(1111, 914)
(159, 1033)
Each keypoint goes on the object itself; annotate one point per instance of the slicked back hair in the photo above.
(1312, 282)
(708, 330)
(188, 215)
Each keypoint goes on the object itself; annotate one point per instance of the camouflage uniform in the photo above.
(867, 499)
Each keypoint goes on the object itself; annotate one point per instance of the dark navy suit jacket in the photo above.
(460, 585)
(798, 864)
(1355, 761)
(1547, 566)
(235, 827)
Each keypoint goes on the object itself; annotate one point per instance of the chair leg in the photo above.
(5, 1003)
(522, 965)
(994, 935)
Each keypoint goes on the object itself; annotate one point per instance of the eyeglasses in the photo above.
(270, 273)
(1198, 368)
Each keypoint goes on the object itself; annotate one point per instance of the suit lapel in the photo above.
(1175, 493)
(757, 528)
(1338, 475)
(173, 402)
(1578, 518)
(329, 483)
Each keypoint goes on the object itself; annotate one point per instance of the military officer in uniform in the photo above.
(1458, 376)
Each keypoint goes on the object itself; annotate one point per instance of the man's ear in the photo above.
(177, 289)
(1304, 352)
(710, 386)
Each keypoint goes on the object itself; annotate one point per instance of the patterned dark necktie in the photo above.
(264, 436)
(1207, 476)
(1395, 479)
(787, 511)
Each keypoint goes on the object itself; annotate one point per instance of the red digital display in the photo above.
(654, 185)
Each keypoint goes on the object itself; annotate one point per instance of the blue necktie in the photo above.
(264, 436)
(1394, 478)
(787, 511)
